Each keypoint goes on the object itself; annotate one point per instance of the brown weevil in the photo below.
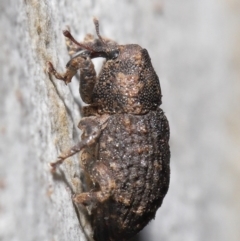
(124, 144)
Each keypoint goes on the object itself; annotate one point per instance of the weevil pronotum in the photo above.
(124, 144)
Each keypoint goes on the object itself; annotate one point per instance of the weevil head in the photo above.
(104, 48)
(127, 82)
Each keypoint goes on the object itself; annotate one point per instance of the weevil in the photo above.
(125, 135)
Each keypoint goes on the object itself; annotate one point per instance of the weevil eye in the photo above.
(113, 54)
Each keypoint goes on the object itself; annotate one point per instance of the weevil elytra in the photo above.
(124, 144)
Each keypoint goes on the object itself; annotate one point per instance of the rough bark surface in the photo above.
(194, 46)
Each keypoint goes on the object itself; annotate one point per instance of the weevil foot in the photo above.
(66, 77)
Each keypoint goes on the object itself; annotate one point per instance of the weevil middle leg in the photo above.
(91, 130)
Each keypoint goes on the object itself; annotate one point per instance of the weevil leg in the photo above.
(88, 78)
(87, 74)
(91, 129)
(102, 176)
(71, 68)
(75, 149)
(88, 198)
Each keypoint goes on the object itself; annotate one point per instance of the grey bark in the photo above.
(194, 46)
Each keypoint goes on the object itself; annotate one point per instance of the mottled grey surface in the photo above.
(195, 49)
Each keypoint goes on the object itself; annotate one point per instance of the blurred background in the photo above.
(195, 50)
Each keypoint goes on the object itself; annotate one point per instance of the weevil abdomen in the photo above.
(135, 150)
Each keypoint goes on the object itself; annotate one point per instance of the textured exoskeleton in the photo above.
(125, 136)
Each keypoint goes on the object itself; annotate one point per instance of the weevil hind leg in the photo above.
(101, 176)
(90, 198)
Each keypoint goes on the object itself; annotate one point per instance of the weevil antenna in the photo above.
(96, 23)
(67, 34)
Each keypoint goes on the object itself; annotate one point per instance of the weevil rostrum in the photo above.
(125, 134)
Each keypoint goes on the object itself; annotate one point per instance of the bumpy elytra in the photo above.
(125, 135)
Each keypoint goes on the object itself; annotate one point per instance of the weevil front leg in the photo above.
(82, 62)
(87, 75)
